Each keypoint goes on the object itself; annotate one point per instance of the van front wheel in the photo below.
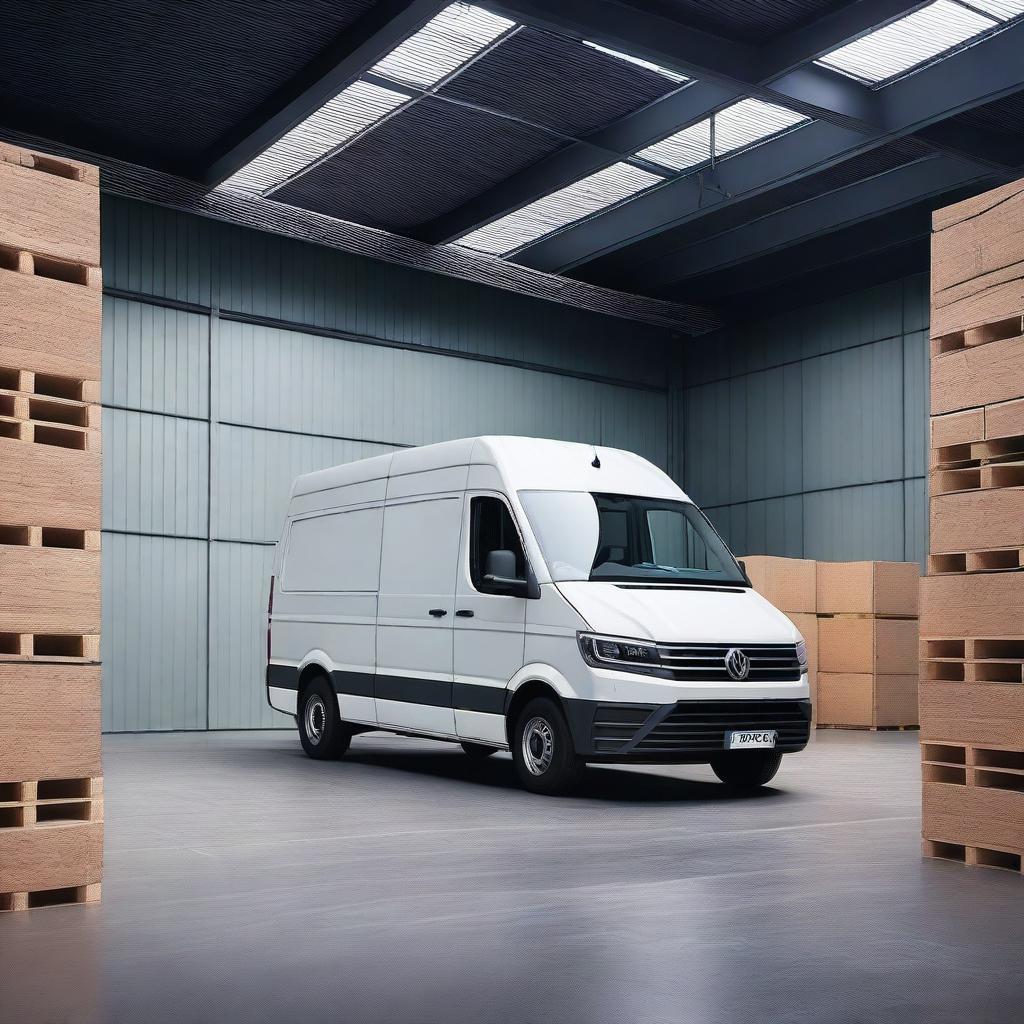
(542, 749)
(321, 730)
(747, 769)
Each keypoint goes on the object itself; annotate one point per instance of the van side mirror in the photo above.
(500, 573)
(743, 569)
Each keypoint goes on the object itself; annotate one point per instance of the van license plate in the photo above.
(750, 740)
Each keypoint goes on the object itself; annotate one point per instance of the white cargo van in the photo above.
(564, 602)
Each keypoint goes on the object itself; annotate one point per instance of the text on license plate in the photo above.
(748, 740)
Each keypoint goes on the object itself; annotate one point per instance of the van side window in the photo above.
(491, 529)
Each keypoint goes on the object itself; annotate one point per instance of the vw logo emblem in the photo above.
(737, 664)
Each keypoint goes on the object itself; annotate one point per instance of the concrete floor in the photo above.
(408, 883)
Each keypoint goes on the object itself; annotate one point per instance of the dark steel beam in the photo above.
(972, 77)
(573, 162)
(863, 200)
(376, 33)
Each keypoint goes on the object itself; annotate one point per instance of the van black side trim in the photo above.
(355, 684)
(436, 693)
(475, 697)
(285, 677)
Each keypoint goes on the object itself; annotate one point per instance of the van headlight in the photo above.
(623, 655)
(801, 654)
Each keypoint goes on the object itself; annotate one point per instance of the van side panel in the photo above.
(325, 604)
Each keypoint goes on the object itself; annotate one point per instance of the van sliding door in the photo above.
(415, 612)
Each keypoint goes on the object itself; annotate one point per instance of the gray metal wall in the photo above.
(806, 434)
(235, 360)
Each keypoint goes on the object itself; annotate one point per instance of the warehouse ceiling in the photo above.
(690, 152)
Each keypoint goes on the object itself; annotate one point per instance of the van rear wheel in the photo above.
(542, 749)
(324, 736)
(747, 769)
(478, 750)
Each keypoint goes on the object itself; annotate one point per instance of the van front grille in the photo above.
(697, 726)
(706, 662)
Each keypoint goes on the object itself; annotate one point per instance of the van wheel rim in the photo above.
(316, 718)
(538, 746)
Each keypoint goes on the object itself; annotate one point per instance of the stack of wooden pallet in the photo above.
(867, 644)
(972, 613)
(51, 804)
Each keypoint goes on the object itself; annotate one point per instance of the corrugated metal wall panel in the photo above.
(853, 416)
(253, 472)
(855, 523)
(154, 474)
(239, 583)
(804, 405)
(916, 403)
(154, 633)
(155, 358)
(156, 251)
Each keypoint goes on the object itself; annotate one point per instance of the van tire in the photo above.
(478, 750)
(747, 769)
(542, 749)
(324, 736)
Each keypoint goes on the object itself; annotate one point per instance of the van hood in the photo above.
(679, 614)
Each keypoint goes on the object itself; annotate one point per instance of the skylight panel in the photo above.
(353, 109)
(749, 121)
(572, 203)
(1004, 10)
(904, 44)
(686, 148)
(673, 76)
(443, 45)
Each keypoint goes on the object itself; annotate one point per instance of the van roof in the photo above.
(524, 463)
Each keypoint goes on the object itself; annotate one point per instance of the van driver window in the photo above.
(491, 529)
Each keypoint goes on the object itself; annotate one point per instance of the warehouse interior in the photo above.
(744, 241)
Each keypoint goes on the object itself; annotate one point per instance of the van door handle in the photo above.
(465, 613)
(438, 613)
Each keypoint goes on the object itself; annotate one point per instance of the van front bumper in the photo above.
(686, 732)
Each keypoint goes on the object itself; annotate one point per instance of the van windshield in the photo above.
(618, 537)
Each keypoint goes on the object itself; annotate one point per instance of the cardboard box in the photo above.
(49, 214)
(849, 643)
(49, 590)
(49, 721)
(977, 376)
(985, 604)
(980, 713)
(868, 588)
(866, 701)
(1006, 419)
(51, 856)
(958, 428)
(788, 583)
(982, 816)
(43, 485)
(978, 520)
(49, 326)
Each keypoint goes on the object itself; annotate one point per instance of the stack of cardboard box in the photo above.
(51, 802)
(859, 620)
(972, 609)
(867, 644)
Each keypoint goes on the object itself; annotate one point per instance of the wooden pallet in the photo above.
(997, 560)
(41, 898)
(56, 647)
(44, 803)
(976, 856)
